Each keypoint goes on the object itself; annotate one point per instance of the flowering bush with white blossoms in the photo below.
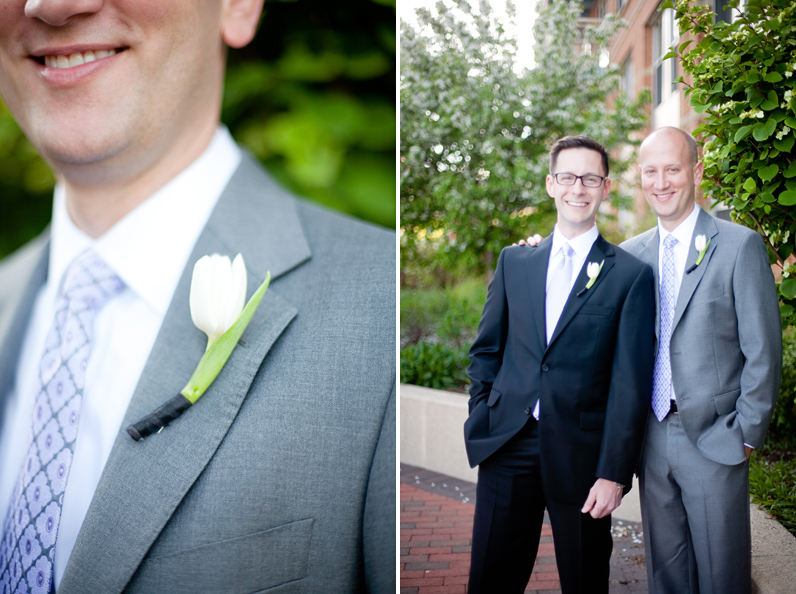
(740, 76)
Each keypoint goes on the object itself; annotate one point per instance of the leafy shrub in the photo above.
(437, 366)
(448, 315)
(783, 423)
(773, 486)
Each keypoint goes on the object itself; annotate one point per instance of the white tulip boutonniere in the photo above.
(218, 291)
(701, 246)
(592, 271)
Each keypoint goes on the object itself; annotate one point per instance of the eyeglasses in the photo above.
(588, 181)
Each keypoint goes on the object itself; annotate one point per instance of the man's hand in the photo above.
(748, 452)
(604, 497)
(532, 241)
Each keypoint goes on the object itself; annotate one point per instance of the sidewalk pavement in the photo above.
(436, 531)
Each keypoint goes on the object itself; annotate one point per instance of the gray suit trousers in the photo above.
(695, 513)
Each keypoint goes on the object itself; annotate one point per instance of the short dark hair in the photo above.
(569, 142)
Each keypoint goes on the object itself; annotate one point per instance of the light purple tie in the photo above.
(662, 376)
(27, 550)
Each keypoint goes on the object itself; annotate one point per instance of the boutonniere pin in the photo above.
(218, 292)
(701, 246)
(592, 271)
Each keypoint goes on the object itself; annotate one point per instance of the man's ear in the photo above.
(239, 21)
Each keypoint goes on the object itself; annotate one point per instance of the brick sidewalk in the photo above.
(436, 530)
(435, 546)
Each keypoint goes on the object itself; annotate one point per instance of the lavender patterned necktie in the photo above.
(27, 550)
(662, 376)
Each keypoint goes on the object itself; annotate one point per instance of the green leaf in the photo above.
(763, 130)
(743, 132)
(791, 170)
(772, 77)
(749, 185)
(669, 55)
(785, 144)
(752, 77)
(684, 45)
(216, 356)
(788, 288)
(768, 173)
(791, 123)
(665, 5)
(785, 310)
(787, 198)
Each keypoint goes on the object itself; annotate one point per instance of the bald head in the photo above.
(671, 131)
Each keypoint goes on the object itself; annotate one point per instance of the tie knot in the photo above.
(89, 282)
(669, 242)
(567, 251)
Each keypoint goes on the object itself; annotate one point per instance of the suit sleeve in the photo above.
(378, 524)
(760, 338)
(486, 354)
(630, 392)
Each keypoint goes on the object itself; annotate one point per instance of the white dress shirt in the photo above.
(581, 245)
(683, 234)
(148, 249)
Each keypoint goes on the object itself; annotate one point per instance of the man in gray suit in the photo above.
(716, 379)
(282, 476)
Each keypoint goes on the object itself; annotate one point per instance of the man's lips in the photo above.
(577, 204)
(663, 197)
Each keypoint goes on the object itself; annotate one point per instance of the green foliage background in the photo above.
(313, 97)
(476, 129)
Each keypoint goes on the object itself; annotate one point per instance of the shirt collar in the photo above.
(150, 246)
(580, 244)
(684, 230)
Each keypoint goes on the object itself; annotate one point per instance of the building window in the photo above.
(664, 38)
(729, 15)
(626, 83)
(620, 4)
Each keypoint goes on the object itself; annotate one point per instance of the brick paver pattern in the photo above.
(436, 534)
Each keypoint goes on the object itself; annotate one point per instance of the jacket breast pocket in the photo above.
(707, 293)
(596, 310)
(592, 420)
(253, 563)
(725, 403)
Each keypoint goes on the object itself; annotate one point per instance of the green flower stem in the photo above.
(593, 280)
(702, 253)
(219, 350)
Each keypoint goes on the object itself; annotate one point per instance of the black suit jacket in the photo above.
(594, 379)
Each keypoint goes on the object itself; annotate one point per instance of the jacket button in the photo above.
(527, 410)
(545, 367)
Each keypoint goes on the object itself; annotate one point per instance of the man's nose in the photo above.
(58, 12)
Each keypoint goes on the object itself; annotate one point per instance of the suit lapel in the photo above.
(17, 309)
(143, 482)
(649, 255)
(707, 227)
(537, 269)
(601, 251)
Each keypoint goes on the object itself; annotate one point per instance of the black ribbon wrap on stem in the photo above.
(162, 416)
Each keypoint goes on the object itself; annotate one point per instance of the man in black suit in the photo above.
(561, 377)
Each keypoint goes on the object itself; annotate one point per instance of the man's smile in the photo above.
(577, 204)
(75, 59)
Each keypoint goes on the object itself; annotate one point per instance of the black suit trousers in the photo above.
(509, 511)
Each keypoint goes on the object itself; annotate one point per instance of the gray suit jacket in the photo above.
(282, 477)
(726, 346)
